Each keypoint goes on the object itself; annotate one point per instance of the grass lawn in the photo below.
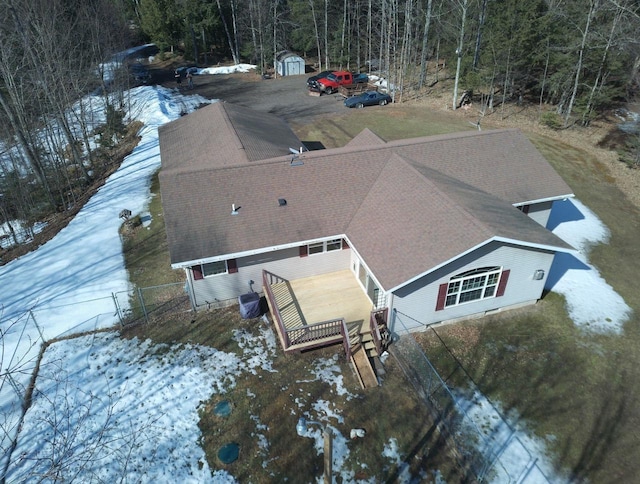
(577, 390)
(146, 256)
(269, 404)
(390, 122)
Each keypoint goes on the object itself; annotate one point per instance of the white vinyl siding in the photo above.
(418, 299)
(284, 263)
(539, 212)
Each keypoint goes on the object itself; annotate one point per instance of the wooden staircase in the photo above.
(363, 350)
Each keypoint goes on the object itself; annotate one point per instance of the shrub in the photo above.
(551, 120)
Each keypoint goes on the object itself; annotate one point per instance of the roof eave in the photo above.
(247, 253)
(488, 241)
(542, 200)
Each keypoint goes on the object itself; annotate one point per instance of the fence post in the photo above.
(36, 324)
(144, 308)
(192, 299)
(14, 385)
(115, 303)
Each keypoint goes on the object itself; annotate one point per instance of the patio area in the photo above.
(301, 303)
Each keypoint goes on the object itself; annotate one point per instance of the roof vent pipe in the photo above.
(282, 202)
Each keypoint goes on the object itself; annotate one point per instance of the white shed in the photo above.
(289, 64)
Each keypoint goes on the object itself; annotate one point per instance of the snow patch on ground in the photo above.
(516, 449)
(591, 303)
(122, 409)
(227, 69)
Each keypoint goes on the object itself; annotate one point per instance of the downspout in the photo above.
(392, 323)
(190, 290)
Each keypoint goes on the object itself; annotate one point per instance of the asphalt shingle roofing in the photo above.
(406, 206)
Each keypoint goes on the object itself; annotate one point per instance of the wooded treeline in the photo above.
(50, 54)
(579, 55)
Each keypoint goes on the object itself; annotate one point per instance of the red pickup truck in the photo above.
(333, 81)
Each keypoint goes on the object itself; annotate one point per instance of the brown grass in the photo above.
(269, 404)
(577, 387)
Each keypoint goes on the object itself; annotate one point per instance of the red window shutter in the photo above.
(345, 244)
(503, 283)
(442, 297)
(304, 251)
(197, 273)
(232, 266)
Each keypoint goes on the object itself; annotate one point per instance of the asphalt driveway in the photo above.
(286, 97)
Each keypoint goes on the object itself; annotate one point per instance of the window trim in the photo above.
(205, 275)
(484, 281)
(324, 244)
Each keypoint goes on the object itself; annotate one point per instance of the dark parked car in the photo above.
(313, 79)
(183, 71)
(369, 98)
(360, 78)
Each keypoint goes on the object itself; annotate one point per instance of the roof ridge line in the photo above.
(353, 214)
(457, 206)
(227, 120)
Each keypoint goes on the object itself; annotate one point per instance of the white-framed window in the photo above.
(472, 285)
(325, 246)
(214, 268)
(335, 244)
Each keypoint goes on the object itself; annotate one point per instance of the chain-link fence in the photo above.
(24, 336)
(147, 303)
(486, 443)
(21, 340)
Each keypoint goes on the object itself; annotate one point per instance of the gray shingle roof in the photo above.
(406, 206)
(222, 134)
(366, 138)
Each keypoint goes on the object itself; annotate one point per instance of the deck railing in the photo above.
(269, 278)
(346, 341)
(316, 331)
(322, 332)
(378, 317)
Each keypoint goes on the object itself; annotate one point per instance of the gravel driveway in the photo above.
(286, 97)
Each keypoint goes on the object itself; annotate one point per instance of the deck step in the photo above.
(363, 368)
(370, 346)
(366, 337)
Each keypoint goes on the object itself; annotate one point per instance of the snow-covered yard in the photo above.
(103, 407)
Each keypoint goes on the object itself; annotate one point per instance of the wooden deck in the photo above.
(310, 300)
(324, 310)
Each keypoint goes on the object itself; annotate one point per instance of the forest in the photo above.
(577, 58)
(580, 55)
